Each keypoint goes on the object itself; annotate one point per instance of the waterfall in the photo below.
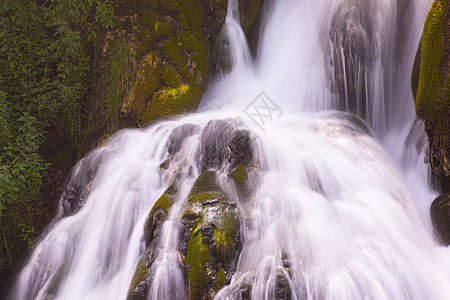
(340, 207)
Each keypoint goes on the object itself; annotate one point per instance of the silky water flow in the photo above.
(340, 209)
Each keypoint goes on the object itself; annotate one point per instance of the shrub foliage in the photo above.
(44, 63)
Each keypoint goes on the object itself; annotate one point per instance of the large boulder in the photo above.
(210, 243)
(179, 134)
(240, 146)
(433, 89)
(352, 53)
(214, 144)
(440, 215)
(209, 240)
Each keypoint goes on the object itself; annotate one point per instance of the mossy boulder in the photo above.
(416, 70)
(155, 62)
(433, 90)
(152, 234)
(210, 242)
(172, 71)
(440, 215)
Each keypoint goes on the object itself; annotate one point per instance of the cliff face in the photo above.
(433, 89)
(156, 61)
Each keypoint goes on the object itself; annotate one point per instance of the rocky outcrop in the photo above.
(433, 90)
(352, 54)
(152, 65)
(240, 148)
(156, 61)
(152, 233)
(440, 215)
(214, 144)
(178, 135)
(80, 183)
(209, 242)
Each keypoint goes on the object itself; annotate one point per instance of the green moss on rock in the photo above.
(171, 101)
(431, 56)
(211, 249)
(211, 226)
(249, 11)
(206, 182)
(221, 282)
(433, 92)
(224, 233)
(197, 256)
(205, 196)
(141, 274)
(164, 202)
(170, 76)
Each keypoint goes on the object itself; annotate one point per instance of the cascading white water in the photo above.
(337, 212)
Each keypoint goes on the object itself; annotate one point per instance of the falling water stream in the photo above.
(341, 206)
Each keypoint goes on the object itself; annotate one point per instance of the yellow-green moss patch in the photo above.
(197, 255)
(431, 56)
(433, 92)
(221, 280)
(141, 274)
(170, 76)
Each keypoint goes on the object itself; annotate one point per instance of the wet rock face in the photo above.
(76, 192)
(352, 53)
(152, 234)
(440, 215)
(352, 28)
(282, 289)
(179, 134)
(214, 144)
(240, 147)
(221, 143)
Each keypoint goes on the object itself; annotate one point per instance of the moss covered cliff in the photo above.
(156, 61)
(433, 90)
